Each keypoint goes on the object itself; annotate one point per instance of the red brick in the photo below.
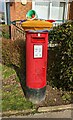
(18, 12)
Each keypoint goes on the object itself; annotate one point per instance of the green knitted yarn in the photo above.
(30, 13)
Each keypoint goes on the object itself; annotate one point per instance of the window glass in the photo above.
(2, 11)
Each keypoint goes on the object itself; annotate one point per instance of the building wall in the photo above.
(18, 12)
(71, 11)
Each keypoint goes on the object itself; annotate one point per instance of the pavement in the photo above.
(62, 111)
(58, 114)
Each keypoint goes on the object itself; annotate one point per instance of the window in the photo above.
(62, 5)
(57, 10)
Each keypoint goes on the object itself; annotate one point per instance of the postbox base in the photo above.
(36, 95)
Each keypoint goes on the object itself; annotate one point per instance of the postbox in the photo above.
(36, 58)
(36, 64)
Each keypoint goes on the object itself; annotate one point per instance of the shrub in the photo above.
(18, 54)
(5, 31)
(6, 51)
(60, 70)
(13, 52)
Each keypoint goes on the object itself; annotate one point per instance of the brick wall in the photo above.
(18, 12)
(71, 11)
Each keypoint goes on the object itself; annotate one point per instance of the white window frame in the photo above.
(49, 14)
(5, 12)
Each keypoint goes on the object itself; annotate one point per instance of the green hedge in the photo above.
(13, 52)
(60, 68)
(5, 31)
(6, 51)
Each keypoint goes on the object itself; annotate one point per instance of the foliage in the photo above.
(13, 52)
(60, 70)
(5, 31)
(66, 97)
(6, 35)
(7, 72)
(18, 53)
(6, 51)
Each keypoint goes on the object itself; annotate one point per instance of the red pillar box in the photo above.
(36, 58)
(36, 65)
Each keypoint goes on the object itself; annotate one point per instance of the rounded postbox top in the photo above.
(36, 25)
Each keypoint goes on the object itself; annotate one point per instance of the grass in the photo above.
(12, 94)
(7, 71)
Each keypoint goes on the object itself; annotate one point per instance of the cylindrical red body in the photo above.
(36, 60)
